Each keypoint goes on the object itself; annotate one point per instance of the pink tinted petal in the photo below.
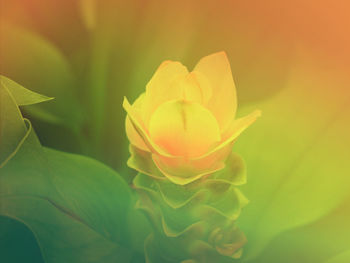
(184, 128)
(183, 171)
(140, 129)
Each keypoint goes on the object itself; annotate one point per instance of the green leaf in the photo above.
(13, 129)
(297, 157)
(21, 95)
(317, 241)
(38, 65)
(14, 237)
(75, 206)
(61, 237)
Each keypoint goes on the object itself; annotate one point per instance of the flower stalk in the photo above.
(181, 132)
(194, 222)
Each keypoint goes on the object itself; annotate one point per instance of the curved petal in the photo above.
(234, 172)
(183, 170)
(223, 102)
(227, 207)
(239, 125)
(205, 87)
(229, 241)
(194, 87)
(177, 126)
(235, 129)
(142, 162)
(133, 136)
(135, 120)
(161, 87)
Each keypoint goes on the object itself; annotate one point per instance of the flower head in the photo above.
(183, 126)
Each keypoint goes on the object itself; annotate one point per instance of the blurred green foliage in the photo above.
(89, 57)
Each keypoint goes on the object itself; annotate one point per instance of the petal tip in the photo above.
(218, 55)
(221, 53)
(126, 103)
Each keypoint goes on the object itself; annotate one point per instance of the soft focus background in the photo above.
(291, 59)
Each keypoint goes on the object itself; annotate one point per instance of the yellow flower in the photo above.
(183, 126)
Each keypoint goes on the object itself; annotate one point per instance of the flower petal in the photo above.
(142, 162)
(223, 102)
(239, 125)
(133, 115)
(133, 136)
(178, 127)
(234, 172)
(235, 129)
(194, 87)
(183, 170)
(161, 89)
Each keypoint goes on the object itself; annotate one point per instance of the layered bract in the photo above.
(183, 126)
